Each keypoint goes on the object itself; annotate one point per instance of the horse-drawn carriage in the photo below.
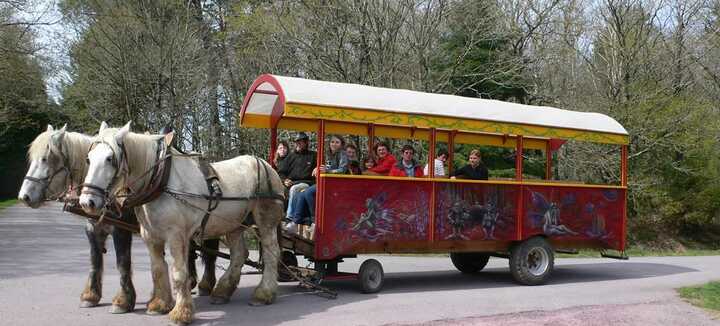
(524, 220)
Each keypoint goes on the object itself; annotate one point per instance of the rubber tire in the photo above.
(288, 258)
(518, 261)
(469, 262)
(370, 271)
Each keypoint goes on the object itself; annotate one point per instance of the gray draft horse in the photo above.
(120, 158)
(57, 165)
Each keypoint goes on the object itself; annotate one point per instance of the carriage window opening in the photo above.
(572, 159)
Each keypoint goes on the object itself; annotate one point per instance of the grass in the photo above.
(4, 203)
(705, 296)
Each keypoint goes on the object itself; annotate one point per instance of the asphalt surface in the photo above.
(44, 263)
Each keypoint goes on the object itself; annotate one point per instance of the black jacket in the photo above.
(480, 172)
(298, 167)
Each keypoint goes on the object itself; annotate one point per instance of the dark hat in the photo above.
(301, 136)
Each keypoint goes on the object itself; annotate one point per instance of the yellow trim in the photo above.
(491, 181)
(251, 120)
(308, 111)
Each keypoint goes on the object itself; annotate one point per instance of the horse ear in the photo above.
(103, 126)
(120, 136)
(50, 128)
(64, 128)
(58, 137)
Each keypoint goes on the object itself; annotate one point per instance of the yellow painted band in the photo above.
(309, 111)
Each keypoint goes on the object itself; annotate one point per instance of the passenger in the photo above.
(442, 156)
(336, 160)
(369, 163)
(280, 154)
(384, 161)
(353, 163)
(474, 170)
(302, 205)
(408, 166)
(297, 169)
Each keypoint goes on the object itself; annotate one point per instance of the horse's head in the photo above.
(104, 164)
(48, 172)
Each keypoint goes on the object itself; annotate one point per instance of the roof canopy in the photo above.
(296, 103)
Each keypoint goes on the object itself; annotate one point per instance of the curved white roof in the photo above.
(341, 95)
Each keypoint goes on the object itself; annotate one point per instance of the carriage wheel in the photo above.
(469, 262)
(532, 261)
(371, 276)
(287, 259)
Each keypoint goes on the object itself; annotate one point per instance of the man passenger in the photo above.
(297, 169)
(440, 159)
(474, 170)
(407, 166)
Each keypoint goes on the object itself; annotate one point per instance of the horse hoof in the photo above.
(88, 304)
(219, 300)
(203, 292)
(257, 302)
(120, 310)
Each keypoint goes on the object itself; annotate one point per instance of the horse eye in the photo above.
(108, 159)
(44, 159)
(87, 160)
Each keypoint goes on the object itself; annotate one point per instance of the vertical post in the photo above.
(431, 174)
(548, 161)
(273, 146)
(519, 158)
(451, 150)
(371, 138)
(624, 183)
(518, 177)
(623, 166)
(319, 181)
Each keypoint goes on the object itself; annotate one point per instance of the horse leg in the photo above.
(93, 287)
(208, 281)
(124, 300)
(161, 301)
(192, 269)
(229, 280)
(266, 219)
(183, 311)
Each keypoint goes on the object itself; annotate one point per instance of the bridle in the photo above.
(118, 164)
(46, 181)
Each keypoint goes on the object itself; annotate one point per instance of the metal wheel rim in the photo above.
(538, 261)
(372, 278)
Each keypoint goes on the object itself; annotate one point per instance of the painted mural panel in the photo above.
(474, 211)
(574, 213)
(360, 212)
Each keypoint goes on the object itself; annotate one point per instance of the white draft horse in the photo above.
(120, 159)
(57, 167)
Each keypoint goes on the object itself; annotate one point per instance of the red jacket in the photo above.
(398, 170)
(384, 165)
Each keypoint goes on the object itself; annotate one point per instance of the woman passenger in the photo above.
(384, 160)
(280, 154)
(474, 170)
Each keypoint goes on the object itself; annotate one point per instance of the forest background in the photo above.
(653, 65)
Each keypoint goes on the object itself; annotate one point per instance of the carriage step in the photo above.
(621, 256)
(567, 251)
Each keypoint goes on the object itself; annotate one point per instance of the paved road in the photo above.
(44, 263)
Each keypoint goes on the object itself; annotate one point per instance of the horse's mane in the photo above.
(75, 148)
(140, 148)
(39, 146)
